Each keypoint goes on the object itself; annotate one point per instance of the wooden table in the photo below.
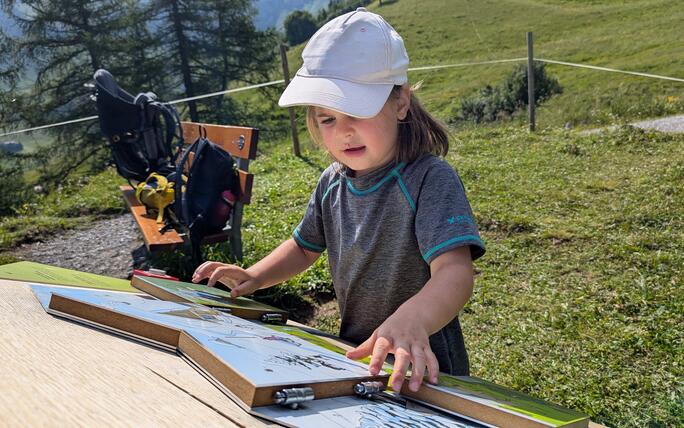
(59, 373)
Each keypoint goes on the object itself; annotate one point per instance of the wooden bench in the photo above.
(241, 143)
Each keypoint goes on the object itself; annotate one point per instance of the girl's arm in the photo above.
(406, 332)
(284, 262)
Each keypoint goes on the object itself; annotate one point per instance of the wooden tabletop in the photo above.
(58, 373)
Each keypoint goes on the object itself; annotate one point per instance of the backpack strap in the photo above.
(160, 146)
(202, 143)
(152, 149)
(171, 116)
(180, 196)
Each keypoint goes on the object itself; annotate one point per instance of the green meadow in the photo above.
(632, 35)
(579, 299)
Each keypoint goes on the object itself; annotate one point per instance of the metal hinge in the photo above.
(292, 397)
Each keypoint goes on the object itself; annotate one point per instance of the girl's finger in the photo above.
(245, 288)
(432, 365)
(204, 270)
(402, 358)
(381, 348)
(234, 274)
(216, 274)
(363, 350)
(418, 361)
(228, 282)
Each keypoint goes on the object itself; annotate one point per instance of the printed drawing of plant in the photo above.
(226, 342)
(309, 362)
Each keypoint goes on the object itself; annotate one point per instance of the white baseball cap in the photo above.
(350, 65)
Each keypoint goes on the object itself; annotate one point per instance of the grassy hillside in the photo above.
(635, 35)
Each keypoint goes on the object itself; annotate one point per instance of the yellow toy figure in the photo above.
(156, 193)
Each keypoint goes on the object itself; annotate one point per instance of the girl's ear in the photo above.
(403, 102)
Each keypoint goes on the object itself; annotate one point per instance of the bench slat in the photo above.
(148, 225)
(246, 182)
(216, 237)
(230, 138)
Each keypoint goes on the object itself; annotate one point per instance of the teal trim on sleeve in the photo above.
(448, 242)
(305, 244)
(335, 183)
(377, 185)
(405, 190)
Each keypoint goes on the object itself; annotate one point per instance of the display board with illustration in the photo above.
(254, 360)
(250, 359)
(209, 296)
(45, 274)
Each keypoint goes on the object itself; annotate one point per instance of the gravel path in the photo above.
(672, 124)
(103, 248)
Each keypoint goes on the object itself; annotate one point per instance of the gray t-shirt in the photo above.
(381, 231)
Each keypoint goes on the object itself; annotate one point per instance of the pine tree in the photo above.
(300, 25)
(65, 42)
(174, 48)
(207, 45)
(235, 51)
(10, 69)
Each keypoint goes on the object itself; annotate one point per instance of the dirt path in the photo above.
(103, 248)
(670, 124)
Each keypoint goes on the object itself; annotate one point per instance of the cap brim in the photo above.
(354, 99)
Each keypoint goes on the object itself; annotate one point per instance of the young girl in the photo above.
(393, 215)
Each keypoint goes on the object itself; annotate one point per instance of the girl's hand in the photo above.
(408, 341)
(238, 279)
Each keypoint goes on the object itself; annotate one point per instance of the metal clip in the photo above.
(240, 142)
(367, 389)
(293, 396)
(271, 318)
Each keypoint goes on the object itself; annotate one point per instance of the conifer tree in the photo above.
(174, 48)
(10, 69)
(208, 44)
(65, 42)
(235, 51)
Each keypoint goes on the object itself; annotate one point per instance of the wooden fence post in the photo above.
(293, 123)
(530, 82)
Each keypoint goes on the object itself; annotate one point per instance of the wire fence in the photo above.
(423, 68)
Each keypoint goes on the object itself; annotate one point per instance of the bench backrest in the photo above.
(239, 141)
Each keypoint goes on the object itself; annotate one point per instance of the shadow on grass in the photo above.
(311, 163)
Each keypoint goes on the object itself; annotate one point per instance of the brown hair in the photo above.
(419, 133)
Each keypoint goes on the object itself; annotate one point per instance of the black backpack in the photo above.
(212, 172)
(140, 129)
